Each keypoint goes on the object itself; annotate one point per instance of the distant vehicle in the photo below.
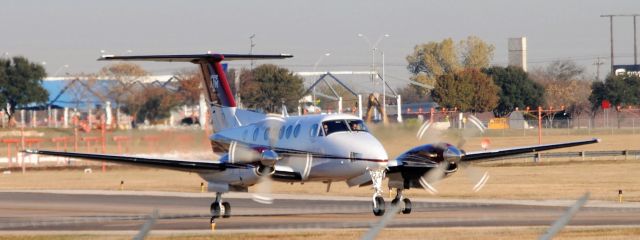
(256, 147)
(190, 121)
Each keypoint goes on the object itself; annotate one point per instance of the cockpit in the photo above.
(342, 125)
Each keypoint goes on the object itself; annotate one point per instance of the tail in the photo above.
(217, 88)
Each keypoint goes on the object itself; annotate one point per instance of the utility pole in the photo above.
(251, 47)
(597, 64)
(635, 42)
(611, 37)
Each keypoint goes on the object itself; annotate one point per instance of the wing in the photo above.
(180, 165)
(481, 155)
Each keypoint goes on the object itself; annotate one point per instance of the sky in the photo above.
(73, 32)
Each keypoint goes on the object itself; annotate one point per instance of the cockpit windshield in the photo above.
(340, 125)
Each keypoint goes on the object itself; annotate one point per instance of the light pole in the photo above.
(60, 68)
(373, 47)
(251, 47)
(315, 65)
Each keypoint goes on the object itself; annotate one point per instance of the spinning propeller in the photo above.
(265, 156)
(451, 157)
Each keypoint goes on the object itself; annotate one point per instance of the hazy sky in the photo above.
(73, 32)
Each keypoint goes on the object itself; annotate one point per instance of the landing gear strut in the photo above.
(400, 199)
(220, 209)
(378, 204)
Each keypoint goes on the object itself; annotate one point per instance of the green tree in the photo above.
(467, 90)
(267, 86)
(433, 59)
(516, 89)
(619, 90)
(20, 84)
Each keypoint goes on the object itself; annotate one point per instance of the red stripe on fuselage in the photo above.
(224, 83)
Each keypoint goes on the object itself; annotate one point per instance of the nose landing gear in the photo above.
(378, 204)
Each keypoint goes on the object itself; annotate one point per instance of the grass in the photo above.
(513, 179)
(458, 233)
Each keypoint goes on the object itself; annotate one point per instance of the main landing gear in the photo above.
(219, 208)
(378, 204)
(399, 199)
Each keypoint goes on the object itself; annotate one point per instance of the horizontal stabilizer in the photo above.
(194, 58)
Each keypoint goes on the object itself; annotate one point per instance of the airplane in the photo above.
(255, 147)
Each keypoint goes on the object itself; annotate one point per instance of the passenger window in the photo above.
(288, 132)
(255, 134)
(267, 131)
(313, 130)
(296, 131)
(281, 134)
(357, 125)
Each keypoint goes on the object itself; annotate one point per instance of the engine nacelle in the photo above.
(416, 162)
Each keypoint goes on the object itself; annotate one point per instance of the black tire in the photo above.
(407, 206)
(379, 210)
(227, 210)
(215, 210)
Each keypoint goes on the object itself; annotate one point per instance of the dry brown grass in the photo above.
(516, 179)
(459, 233)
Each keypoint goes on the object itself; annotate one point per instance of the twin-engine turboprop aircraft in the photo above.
(256, 147)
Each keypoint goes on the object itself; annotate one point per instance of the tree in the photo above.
(564, 86)
(412, 95)
(189, 86)
(158, 105)
(476, 53)
(20, 84)
(433, 59)
(124, 75)
(619, 90)
(267, 86)
(150, 102)
(467, 90)
(564, 70)
(517, 90)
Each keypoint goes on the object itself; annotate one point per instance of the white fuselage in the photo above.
(359, 149)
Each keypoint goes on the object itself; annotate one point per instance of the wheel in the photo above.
(226, 210)
(407, 206)
(378, 206)
(215, 210)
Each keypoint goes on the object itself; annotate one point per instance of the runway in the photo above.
(120, 211)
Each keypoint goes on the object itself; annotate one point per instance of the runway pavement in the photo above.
(115, 210)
